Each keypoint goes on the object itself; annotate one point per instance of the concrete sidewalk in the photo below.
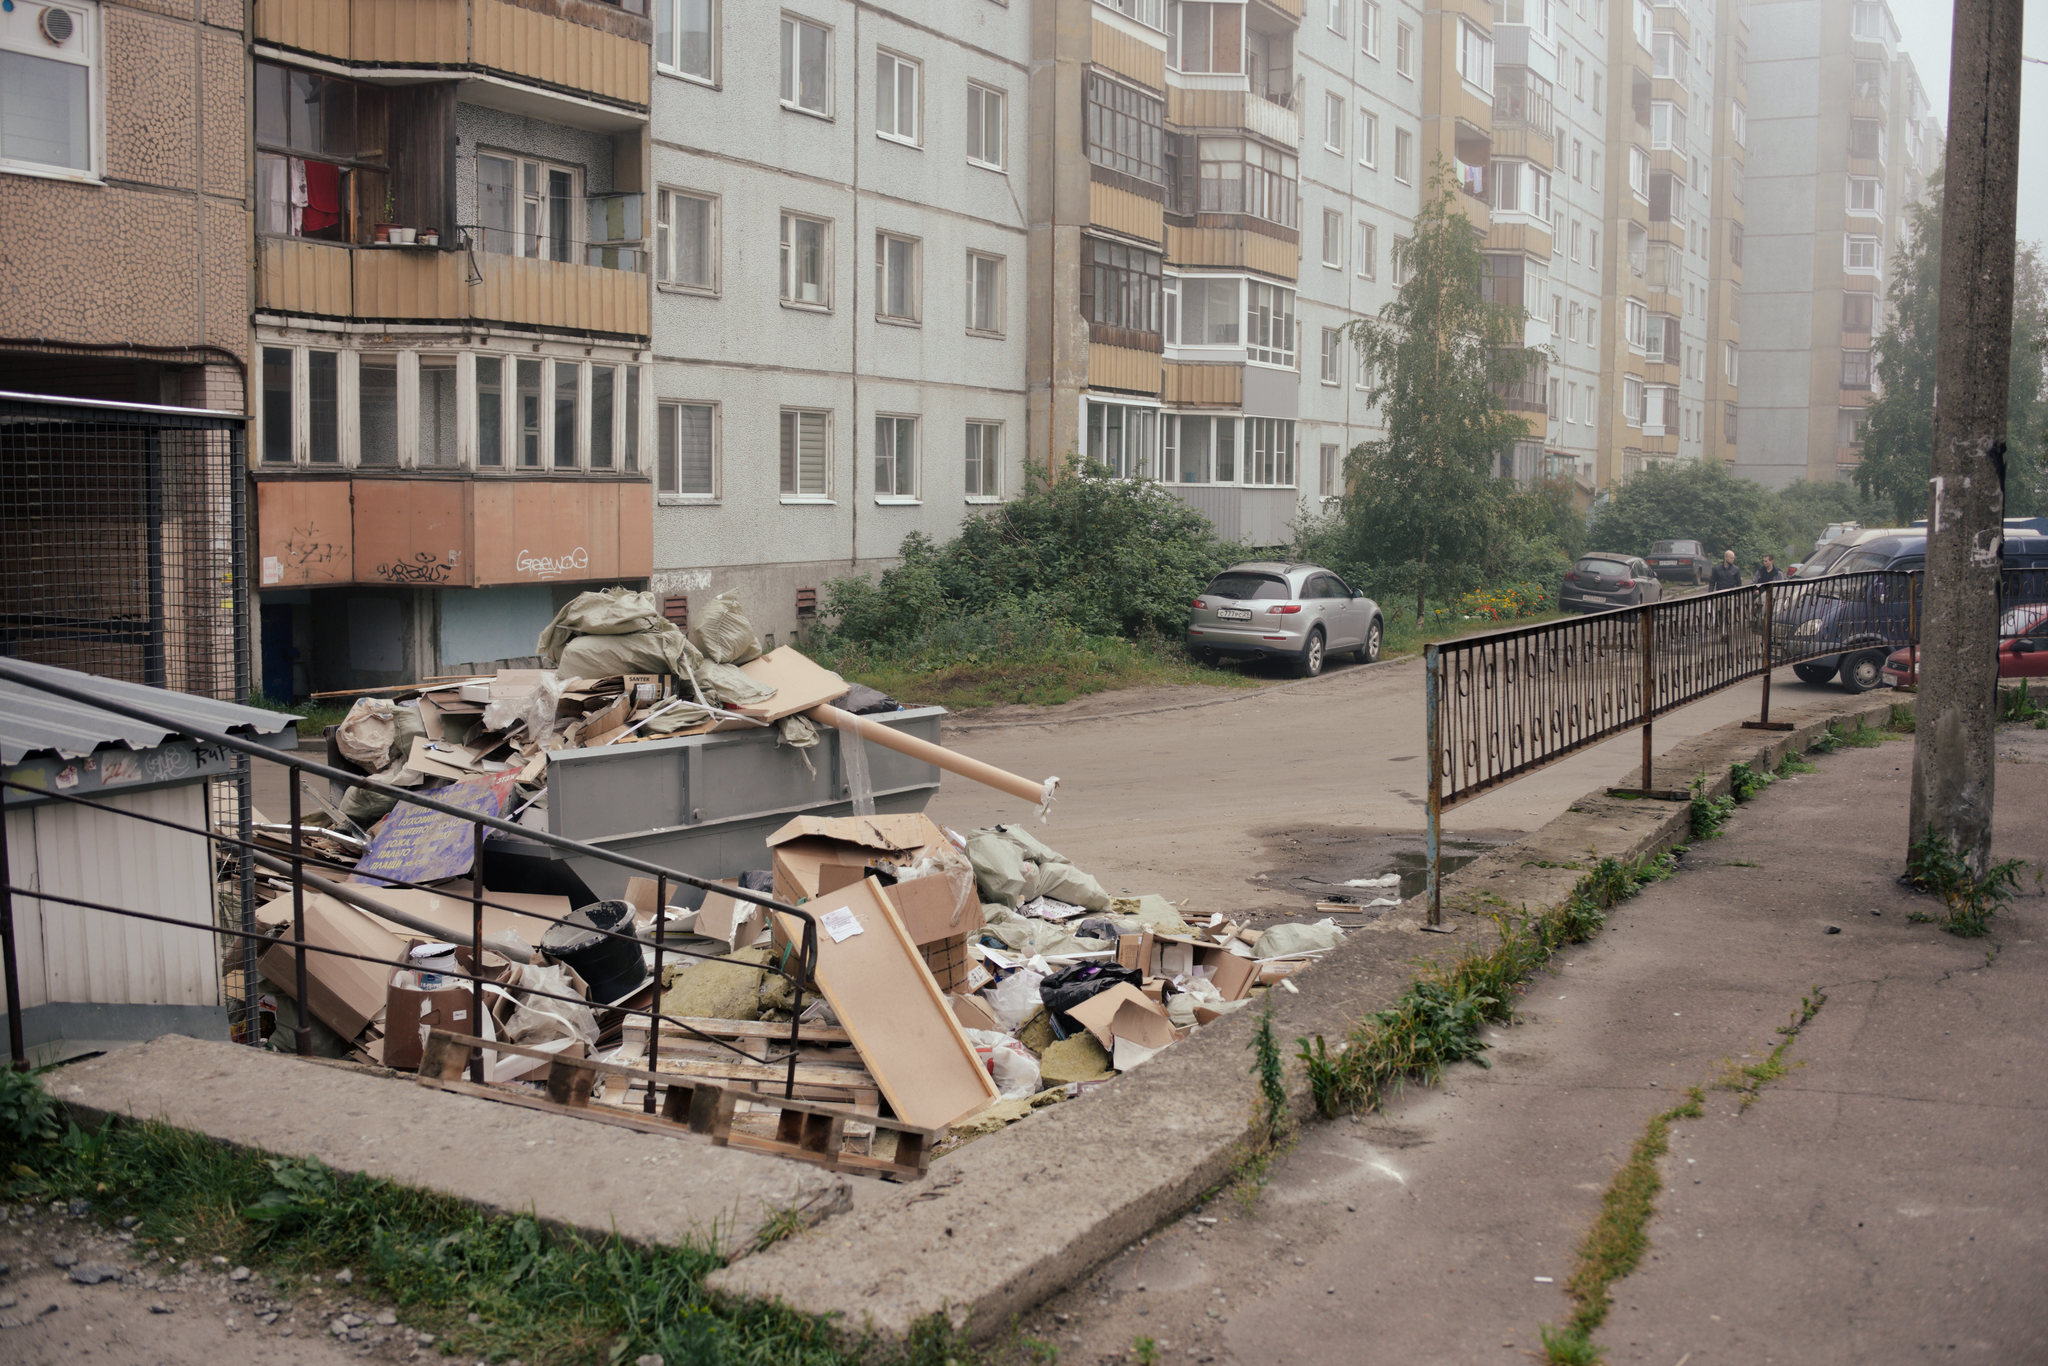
(1883, 1202)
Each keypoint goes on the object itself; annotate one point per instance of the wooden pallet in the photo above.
(805, 1131)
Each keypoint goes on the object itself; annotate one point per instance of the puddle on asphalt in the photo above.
(1316, 863)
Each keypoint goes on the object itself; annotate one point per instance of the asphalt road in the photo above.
(1196, 792)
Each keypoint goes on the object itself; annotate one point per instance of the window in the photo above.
(1738, 124)
(686, 37)
(1639, 173)
(1855, 369)
(984, 460)
(1399, 259)
(1571, 403)
(1599, 82)
(806, 473)
(525, 207)
(320, 160)
(1653, 343)
(603, 388)
(1368, 251)
(1332, 470)
(1269, 451)
(985, 126)
(1572, 322)
(1145, 12)
(632, 418)
(277, 405)
(1124, 437)
(1124, 130)
(1199, 450)
(1333, 123)
(1578, 160)
(1120, 290)
(568, 390)
(806, 261)
(1335, 15)
(687, 459)
(1632, 400)
(1638, 324)
(1205, 37)
(1269, 324)
(1368, 138)
(1860, 254)
(1857, 311)
(1204, 310)
(895, 457)
(1866, 20)
(1550, 402)
(806, 66)
(1849, 423)
(1668, 55)
(1593, 247)
(1240, 175)
(1333, 239)
(527, 401)
(1866, 195)
(1557, 315)
(1475, 56)
(896, 278)
(1866, 138)
(686, 240)
(984, 294)
(490, 412)
(1333, 356)
(897, 82)
(1667, 125)
(1728, 423)
(50, 110)
(1369, 27)
(1404, 155)
(1404, 50)
(1644, 24)
(1731, 368)
(439, 444)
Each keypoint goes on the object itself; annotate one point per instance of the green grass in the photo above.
(1792, 765)
(2019, 704)
(1057, 666)
(1708, 813)
(314, 717)
(1969, 899)
(540, 1296)
(1747, 781)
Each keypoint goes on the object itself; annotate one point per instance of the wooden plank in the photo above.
(743, 1029)
(884, 995)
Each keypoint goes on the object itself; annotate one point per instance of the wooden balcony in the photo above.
(326, 280)
(592, 50)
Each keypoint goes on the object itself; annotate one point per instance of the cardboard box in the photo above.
(410, 1011)
(738, 923)
(941, 911)
(973, 1013)
(1124, 1012)
(1170, 956)
(346, 993)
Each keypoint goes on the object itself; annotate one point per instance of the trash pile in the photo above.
(960, 981)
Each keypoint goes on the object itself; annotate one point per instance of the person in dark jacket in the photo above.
(1727, 574)
(1768, 572)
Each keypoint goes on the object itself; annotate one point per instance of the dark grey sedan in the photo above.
(1602, 581)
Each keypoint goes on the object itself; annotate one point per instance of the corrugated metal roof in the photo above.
(37, 722)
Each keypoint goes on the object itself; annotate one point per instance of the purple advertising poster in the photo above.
(418, 845)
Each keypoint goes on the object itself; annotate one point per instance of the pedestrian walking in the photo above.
(1768, 572)
(1726, 574)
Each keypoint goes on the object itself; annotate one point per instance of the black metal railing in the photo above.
(301, 866)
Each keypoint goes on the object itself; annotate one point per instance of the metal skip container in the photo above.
(707, 803)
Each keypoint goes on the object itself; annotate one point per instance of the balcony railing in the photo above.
(613, 236)
(1518, 99)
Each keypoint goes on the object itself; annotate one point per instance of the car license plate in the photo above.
(1591, 597)
(1233, 614)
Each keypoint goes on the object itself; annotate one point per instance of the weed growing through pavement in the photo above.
(1747, 781)
(1904, 719)
(1792, 765)
(1748, 1079)
(1437, 1021)
(1708, 813)
(1834, 738)
(2018, 704)
(1935, 864)
(1275, 1135)
(1146, 1351)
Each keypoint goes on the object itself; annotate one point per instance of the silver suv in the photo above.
(1297, 612)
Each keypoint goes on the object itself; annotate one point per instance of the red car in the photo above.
(2022, 648)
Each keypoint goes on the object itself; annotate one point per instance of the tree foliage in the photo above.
(1427, 497)
(1706, 503)
(1898, 440)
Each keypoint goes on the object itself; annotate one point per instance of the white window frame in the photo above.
(822, 304)
(1731, 362)
(1639, 173)
(85, 48)
(1875, 208)
(666, 61)
(1369, 28)
(1397, 264)
(1368, 139)
(667, 242)
(1368, 250)
(885, 268)
(1404, 49)
(797, 495)
(1331, 473)
(1333, 239)
(668, 426)
(534, 245)
(997, 294)
(1632, 401)
(1135, 464)
(891, 106)
(1475, 57)
(1333, 122)
(1855, 245)
(889, 434)
(1275, 345)
(1334, 16)
(1638, 320)
(1404, 156)
(790, 90)
(1332, 373)
(1738, 124)
(987, 92)
(979, 432)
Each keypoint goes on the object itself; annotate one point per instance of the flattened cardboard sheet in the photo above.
(799, 684)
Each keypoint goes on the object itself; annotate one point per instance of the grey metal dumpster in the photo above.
(705, 804)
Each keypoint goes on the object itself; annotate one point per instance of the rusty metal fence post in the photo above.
(1432, 679)
(654, 1020)
(17, 1051)
(476, 950)
(301, 1009)
(1770, 631)
(1649, 703)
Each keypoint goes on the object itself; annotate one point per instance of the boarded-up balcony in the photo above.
(327, 280)
(593, 50)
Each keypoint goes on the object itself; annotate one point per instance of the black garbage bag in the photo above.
(862, 700)
(758, 880)
(1069, 987)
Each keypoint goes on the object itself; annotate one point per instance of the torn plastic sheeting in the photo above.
(1015, 999)
(1011, 1064)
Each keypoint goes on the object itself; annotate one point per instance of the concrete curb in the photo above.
(1008, 1220)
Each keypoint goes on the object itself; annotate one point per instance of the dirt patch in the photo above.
(142, 1309)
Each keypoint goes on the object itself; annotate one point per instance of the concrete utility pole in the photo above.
(1953, 744)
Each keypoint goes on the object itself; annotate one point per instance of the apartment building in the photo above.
(1729, 58)
(453, 422)
(841, 193)
(1568, 298)
(122, 179)
(1841, 139)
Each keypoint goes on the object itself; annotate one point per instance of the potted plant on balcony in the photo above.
(430, 237)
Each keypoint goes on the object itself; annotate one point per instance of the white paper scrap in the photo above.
(1390, 880)
(840, 924)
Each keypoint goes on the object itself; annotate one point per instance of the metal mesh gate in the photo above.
(123, 553)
